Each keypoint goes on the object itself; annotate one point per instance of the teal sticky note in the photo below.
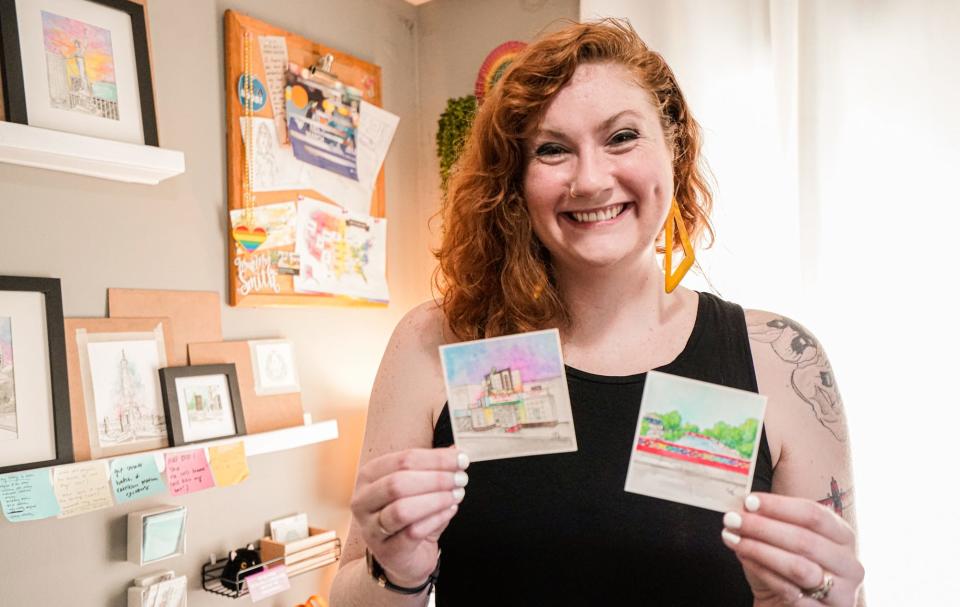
(135, 478)
(28, 496)
(163, 534)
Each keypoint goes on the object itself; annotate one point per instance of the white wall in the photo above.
(832, 130)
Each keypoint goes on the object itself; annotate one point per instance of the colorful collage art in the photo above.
(323, 137)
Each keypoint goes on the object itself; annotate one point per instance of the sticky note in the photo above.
(135, 478)
(267, 583)
(28, 496)
(229, 464)
(187, 471)
(163, 534)
(82, 487)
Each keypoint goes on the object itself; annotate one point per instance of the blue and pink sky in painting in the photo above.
(6, 342)
(60, 35)
(537, 356)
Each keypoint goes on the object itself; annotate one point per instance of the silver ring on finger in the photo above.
(820, 592)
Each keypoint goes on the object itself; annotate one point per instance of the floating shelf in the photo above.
(116, 160)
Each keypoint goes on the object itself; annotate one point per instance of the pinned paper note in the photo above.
(82, 487)
(267, 583)
(229, 464)
(187, 471)
(136, 478)
(28, 496)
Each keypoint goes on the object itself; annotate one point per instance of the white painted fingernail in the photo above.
(730, 536)
(458, 494)
(732, 520)
(752, 503)
(460, 479)
(453, 508)
(463, 460)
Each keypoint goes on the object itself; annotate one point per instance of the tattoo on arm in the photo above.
(838, 499)
(812, 376)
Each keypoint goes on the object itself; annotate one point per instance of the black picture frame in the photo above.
(57, 359)
(11, 65)
(171, 403)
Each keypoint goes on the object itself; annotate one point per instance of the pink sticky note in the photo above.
(267, 583)
(187, 471)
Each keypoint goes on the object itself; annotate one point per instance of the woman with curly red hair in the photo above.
(554, 218)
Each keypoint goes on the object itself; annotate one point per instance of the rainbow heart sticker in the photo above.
(249, 239)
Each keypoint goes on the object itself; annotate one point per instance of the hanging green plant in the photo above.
(452, 131)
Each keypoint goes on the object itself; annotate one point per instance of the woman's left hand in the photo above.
(790, 547)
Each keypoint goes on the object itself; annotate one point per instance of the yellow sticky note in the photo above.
(229, 464)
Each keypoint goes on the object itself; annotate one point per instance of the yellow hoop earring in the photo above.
(670, 278)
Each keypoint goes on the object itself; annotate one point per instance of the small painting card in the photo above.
(268, 583)
(696, 443)
(508, 396)
(28, 496)
(278, 223)
(136, 478)
(290, 528)
(187, 471)
(229, 464)
(82, 488)
(274, 368)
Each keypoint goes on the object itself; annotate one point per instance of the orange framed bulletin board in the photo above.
(306, 204)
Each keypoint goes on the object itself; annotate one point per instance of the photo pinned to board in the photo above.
(508, 396)
(275, 226)
(341, 252)
(696, 443)
(323, 115)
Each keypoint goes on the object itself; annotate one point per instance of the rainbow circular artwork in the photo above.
(495, 65)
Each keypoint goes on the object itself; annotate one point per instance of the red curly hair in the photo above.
(494, 275)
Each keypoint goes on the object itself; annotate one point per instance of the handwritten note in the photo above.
(28, 496)
(187, 471)
(135, 478)
(268, 583)
(82, 487)
(229, 464)
(273, 51)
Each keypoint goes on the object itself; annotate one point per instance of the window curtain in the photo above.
(832, 130)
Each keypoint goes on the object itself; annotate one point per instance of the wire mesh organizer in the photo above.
(214, 581)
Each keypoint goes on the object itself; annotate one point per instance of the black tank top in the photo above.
(559, 529)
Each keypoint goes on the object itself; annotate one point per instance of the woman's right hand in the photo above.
(403, 502)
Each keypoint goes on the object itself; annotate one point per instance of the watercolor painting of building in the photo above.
(8, 393)
(80, 67)
(508, 397)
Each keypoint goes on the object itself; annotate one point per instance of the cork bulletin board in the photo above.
(306, 203)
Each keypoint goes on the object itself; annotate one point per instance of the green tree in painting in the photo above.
(739, 438)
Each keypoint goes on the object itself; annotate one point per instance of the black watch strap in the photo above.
(376, 570)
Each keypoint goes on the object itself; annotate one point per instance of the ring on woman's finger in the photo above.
(380, 525)
(820, 592)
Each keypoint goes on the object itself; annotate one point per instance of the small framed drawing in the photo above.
(156, 534)
(274, 369)
(115, 390)
(34, 400)
(202, 403)
(80, 66)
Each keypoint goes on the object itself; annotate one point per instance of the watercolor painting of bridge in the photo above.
(696, 443)
(508, 396)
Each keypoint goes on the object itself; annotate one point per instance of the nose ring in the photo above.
(573, 192)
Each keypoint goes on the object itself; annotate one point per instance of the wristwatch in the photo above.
(376, 570)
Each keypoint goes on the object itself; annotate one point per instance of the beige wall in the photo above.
(96, 234)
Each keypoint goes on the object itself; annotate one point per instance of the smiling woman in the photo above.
(554, 218)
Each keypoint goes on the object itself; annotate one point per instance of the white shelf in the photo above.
(90, 156)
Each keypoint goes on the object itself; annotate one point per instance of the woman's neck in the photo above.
(621, 319)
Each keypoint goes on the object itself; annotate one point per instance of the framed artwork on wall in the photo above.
(202, 403)
(116, 401)
(80, 66)
(34, 400)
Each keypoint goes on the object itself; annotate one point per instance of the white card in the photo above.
(696, 443)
